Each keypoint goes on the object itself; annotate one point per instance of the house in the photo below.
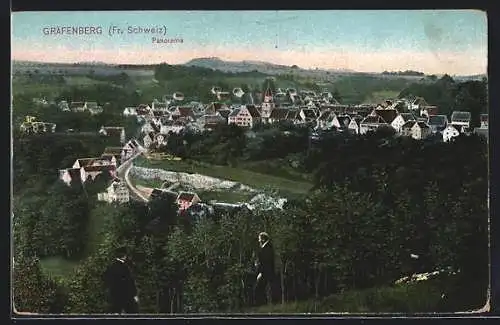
(159, 106)
(355, 123)
(484, 120)
(429, 110)
(325, 118)
(461, 119)
(93, 108)
(36, 127)
(438, 123)
(267, 105)
(116, 152)
(278, 115)
(416, 129)
(117, 191)
(223, 96)
(130, 148)
(154, 140)
(130, 111)
(113, 131)
(371, 123)
(104, 160)
(450, 132)
(214, 107)
(148, 140)
(64, 106)
(343, 121)
(417, 104)
(78, 106)
(224, 113)
(149, 127)
(114, 159)
(186, 199)
(245, 116)
(92, 171)
(482, 131)
(87, 171)
(387, 114)
(211, 121)
(307, 115)
(293, 116)
(401, 119)
(69, 175)
(378, 118)
(183, 112)
(143, 109)
(169, 126)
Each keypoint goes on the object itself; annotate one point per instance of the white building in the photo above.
(461, 119)
(401, 119)
(450, 132)
(116, 192)
(130, 111)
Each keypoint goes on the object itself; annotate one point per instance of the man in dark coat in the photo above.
(265, 269)
(121, 285)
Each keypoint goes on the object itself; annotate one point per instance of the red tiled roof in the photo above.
(253, 111)
(409, 124)
(373, 119)
(99, 168)
(74, 173)
(86, 161)
(292, 114)
(279, 113)
(186, 196)
(185, 111)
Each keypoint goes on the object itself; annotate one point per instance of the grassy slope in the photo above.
(436, 295)
(379, 96)
(247, 177)
(58, 267)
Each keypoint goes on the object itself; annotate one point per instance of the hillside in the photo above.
(260, 66)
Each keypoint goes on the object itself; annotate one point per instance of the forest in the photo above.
(377, 199)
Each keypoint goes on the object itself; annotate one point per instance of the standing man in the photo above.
(121, 285)
(265, 269)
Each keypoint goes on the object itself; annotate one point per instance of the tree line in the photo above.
(449, 95)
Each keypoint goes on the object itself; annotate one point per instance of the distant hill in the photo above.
(210, 63)
(260, 66)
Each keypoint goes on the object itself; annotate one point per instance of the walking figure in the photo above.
(265, 269)
(121, 285)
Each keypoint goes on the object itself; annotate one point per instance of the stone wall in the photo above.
(197, 181)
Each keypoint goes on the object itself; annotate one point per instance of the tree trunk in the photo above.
(158, 307)
(294, 281)
(317, 283)
(172, 299)
(282, 274)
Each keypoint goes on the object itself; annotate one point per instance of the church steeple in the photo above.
(268, 96)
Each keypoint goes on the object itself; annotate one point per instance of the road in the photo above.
(123, 173)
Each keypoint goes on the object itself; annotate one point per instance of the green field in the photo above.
(152, 183)
(82, 81)
(58, 267)
(247, 177)
(225, 196)
(379, 96)
(36, 89)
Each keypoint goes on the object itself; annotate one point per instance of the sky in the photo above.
(430, 41)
